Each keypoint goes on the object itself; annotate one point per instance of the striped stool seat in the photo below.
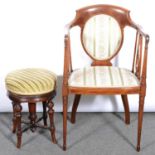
(30, 81)
(103, 77)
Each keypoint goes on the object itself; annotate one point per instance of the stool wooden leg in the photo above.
(51, 117)
(17, 110)
(32, 116)
(44, 113)
(14, 119)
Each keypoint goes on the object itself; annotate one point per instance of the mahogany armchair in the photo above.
(102, 35)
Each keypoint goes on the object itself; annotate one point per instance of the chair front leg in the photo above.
(74, 107)
(140, 120)
(126, 108)
(65, 107)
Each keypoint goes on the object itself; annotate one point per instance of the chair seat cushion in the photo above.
(103, 76)
(30, 81)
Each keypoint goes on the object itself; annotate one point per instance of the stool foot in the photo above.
(64, 148)
(54, 139)
(13, 131)
(138, 148)
(19, 140)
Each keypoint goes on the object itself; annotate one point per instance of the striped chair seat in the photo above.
(103, 76)
(30, 81)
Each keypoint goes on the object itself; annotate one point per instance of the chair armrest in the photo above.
(140, 55)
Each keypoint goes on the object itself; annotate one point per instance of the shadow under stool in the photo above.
(30, 86)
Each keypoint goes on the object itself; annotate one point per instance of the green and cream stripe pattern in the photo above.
(101, 36)
(30, 81)
(103, 76)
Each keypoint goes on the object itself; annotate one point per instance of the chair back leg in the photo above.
(74, 107)
(126, 108)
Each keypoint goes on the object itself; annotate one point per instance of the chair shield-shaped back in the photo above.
(101, 37)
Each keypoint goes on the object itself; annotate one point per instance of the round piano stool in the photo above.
(30, 86)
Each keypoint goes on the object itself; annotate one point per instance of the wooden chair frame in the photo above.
(139, 67)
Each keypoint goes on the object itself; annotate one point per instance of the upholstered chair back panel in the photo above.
(101, 36)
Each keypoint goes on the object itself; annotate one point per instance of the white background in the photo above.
(31, 35)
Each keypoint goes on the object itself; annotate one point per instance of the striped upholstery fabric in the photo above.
(101, 36)
(103, 76)
(31, 81)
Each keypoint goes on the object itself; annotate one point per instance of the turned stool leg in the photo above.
(17, 111)
(32, 116)
(51, 117)
(14, 119)
(44, 113)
